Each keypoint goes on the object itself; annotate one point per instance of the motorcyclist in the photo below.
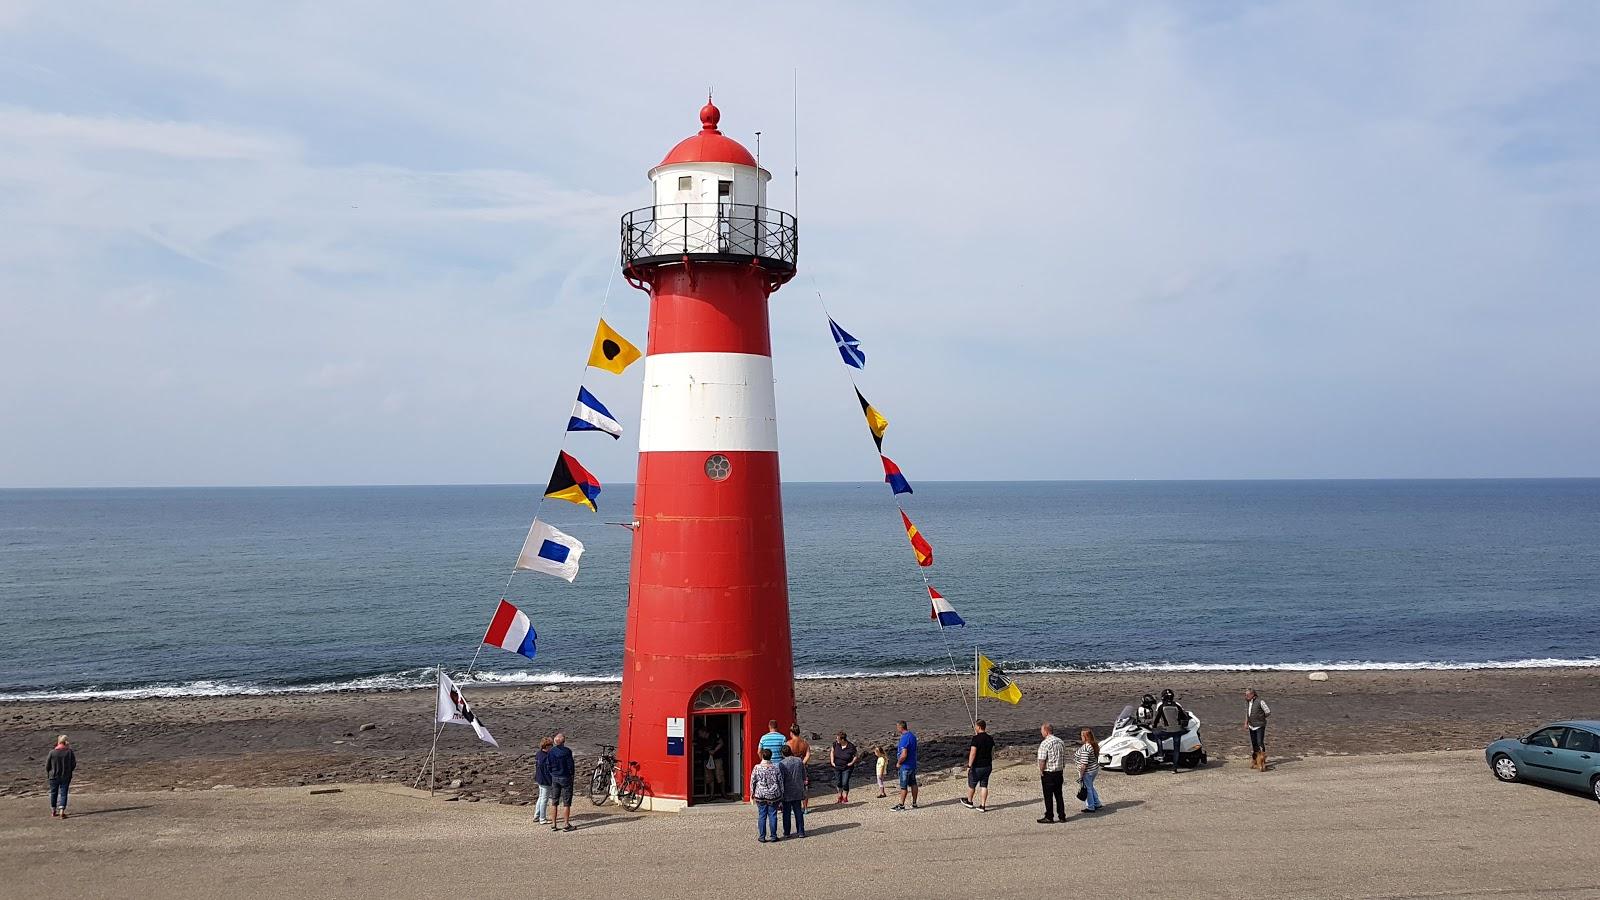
(1147, 711)
(1170, 721)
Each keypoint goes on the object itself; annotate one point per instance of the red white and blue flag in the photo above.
(943, 612)
(511, 630)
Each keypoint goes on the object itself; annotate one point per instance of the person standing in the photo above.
(792, 769)
(715, 771)
(766, 792)
(980, 764)
(799, 746)
(882, 767)
(1169, 723)
(1052, 761)
(772, 740)
(1255, 722)
(58, 768)
(1088, 761)
(844, 756)
(563, 772)
(541, 777)
(906, 762)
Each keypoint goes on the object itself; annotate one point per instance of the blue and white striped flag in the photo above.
(589, 414)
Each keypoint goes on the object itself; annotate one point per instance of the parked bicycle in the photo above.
(609, 773)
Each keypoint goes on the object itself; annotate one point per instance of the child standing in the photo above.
(883, 767)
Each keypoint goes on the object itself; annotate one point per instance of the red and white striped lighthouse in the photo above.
(706, 660)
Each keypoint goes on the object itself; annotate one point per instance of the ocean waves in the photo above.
(416, 679)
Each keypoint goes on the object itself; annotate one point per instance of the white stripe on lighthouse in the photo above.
(708, 401)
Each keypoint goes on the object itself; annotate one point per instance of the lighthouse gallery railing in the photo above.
(734, 232)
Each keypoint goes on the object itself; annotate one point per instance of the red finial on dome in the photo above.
(708, 144)
(710, 116)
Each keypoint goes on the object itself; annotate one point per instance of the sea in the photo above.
(219, 591)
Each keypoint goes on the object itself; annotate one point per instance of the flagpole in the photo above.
(433, 749)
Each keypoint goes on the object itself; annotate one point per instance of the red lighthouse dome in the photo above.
(709, 145)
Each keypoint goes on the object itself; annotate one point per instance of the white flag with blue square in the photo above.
(551, 551)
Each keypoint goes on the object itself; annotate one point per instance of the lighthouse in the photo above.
(706, 659)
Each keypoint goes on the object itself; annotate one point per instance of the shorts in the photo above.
(978, 776)
(908, 777)
(561, 792)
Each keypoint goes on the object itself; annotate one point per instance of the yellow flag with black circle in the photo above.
(611, 351)
(993, 682)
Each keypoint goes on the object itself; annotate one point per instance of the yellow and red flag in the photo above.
(919, 544)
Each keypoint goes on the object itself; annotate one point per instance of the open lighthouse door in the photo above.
(718, 745)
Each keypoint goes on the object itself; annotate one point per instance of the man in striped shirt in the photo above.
(1052, 760)
(772, 740)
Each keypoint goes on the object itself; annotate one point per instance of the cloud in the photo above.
(1175, 241)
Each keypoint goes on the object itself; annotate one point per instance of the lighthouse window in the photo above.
(685, 182)
(724, 189)
(718, 467)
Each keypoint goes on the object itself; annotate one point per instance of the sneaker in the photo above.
(967, 803)
(897, 807)
(1046, 821)
(762, 841)
(983, 809)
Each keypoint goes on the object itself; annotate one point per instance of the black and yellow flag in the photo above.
(611, 351)
(875, 420)
(992, 682)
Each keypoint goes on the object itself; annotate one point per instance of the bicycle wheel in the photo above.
(632, 794)
(599, 786)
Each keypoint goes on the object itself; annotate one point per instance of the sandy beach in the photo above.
(310, 739)
(1406, 825)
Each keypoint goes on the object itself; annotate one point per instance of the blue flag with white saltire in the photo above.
(849, 347)
(589, 414)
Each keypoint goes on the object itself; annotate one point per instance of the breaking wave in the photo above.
(414, 679)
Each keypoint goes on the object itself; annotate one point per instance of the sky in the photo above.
(366, 243)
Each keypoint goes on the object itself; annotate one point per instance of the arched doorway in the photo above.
(717, 744)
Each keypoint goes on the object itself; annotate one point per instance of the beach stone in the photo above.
(456, 783)
(222, 787)
(372, 726)
(338, 742)
(1318, 676)
(556, 689)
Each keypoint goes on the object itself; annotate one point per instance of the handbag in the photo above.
(1083, 792)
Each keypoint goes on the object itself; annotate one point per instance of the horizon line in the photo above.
(421, 484)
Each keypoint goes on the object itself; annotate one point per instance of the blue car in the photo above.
(1561, 754)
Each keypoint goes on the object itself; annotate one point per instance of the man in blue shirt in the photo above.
(773, 740)
(907, 761)
(562, 774)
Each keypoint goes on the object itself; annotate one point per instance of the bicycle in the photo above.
(608, 772)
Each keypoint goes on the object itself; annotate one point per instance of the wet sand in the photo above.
(309, 739)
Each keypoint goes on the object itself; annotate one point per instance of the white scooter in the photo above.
(1132, 748)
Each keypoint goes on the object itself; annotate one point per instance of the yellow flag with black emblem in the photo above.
(992, 682)
(611, 351)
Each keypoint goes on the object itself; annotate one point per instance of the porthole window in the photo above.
(718, 467)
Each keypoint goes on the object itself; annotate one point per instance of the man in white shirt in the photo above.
(1052, 762)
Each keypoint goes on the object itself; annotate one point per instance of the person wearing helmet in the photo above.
(1147, 711)
(1169, 723)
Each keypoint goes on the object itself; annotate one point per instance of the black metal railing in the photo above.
(734, 232)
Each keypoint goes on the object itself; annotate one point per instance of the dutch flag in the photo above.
(511, 630)
(943, 612)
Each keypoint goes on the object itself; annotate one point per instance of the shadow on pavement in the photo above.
(600, 820)
(841, 826)
(101, 812)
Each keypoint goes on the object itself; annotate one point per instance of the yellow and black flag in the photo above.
(572, 482)
(992, 682)
(875, 420)
(611, 351)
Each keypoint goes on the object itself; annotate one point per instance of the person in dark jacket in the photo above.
(541, 777)
(1169, 723)
(58, 767)
(793, 770)
(563, 771)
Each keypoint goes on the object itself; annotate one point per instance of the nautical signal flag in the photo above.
(875, 420)
(919, 544)
(572, 482)
(589, 414)
(992, 682)
(943, 612)
(849, 347)
(611, 351)
(550, 551)
(452, 707)
(891, 474)
(511, 630)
